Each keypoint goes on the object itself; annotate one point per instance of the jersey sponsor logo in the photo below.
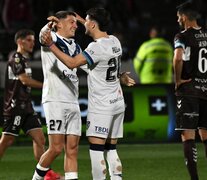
(201, 80)
(191, 115)
(66, 75)
(101, 130)
(202, 43)
(112, 101)
(201, 35)
(28, 71)
(202, 88)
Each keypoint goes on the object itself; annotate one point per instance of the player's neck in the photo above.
(100, 34)
(191, 24)
(23, 53)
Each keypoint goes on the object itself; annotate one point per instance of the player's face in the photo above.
(69, 26)
(181, 20)
(89, 25)
(27, 44)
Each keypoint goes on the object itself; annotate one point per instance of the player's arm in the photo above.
(125, 79)
(178, 66)
(27, 81)
(80, 19)
(70, 62)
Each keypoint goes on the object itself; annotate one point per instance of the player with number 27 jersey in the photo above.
(194, 43)
(105, 93)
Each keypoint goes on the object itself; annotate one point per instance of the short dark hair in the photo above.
(64, 14)
(189, 10)
(23, 33)
(101, 16)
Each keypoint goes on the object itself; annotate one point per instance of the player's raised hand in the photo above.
(80, 19)
(126, 79)
(53, 21)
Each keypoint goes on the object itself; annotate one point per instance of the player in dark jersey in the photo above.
(190, 68)
(18, 111)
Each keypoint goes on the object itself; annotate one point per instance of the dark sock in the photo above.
(190, 153)
(205, 144)
(41, 172)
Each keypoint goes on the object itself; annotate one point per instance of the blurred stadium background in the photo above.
(150, 113)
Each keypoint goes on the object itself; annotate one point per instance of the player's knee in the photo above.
(8, 142)
(72, 152)
(56, 150)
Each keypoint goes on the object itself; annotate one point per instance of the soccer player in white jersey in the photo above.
(106, 102)
(60, 99)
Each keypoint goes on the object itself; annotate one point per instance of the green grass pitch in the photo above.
(140, 162)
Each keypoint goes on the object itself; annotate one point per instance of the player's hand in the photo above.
(126, 79)
(46, 38)
(80, 19)
(53, 21)
(182, 81)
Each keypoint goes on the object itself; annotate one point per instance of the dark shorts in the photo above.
(13, 124)
(191, 113)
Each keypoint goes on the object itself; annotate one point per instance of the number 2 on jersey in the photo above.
(113, 70)
(55, 124)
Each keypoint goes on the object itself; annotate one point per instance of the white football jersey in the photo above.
(104, 59)
(60, 82)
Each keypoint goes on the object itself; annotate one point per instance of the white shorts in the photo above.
(105, 126)
(62, 118)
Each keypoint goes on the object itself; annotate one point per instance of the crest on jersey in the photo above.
(17, 59)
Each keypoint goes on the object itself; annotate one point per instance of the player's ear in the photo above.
(19, 41)
(58, 25)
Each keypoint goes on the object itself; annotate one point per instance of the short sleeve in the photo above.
(92, 53)
(179, 41)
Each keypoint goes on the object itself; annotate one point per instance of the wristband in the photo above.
(50, 44)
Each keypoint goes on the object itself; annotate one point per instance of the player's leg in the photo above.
(56, 136)
(73, 133)
(71, 154)
(203, 123)
(203, 135)
(11, 128)
(38, 139)
(5, 141)
(32, 126)
(98, 163)
(113, 160)
(56, 145)
(112, 157)
(190, 152)
(187, 120)
(97, 132)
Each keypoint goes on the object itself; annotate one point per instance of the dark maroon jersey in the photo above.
(194, 43)
(16, 95)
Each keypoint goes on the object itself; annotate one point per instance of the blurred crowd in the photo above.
(131, 19)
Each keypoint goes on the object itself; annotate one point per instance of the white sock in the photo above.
(37, 177)
(71, 175)
(98, 165)
(114, 163)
